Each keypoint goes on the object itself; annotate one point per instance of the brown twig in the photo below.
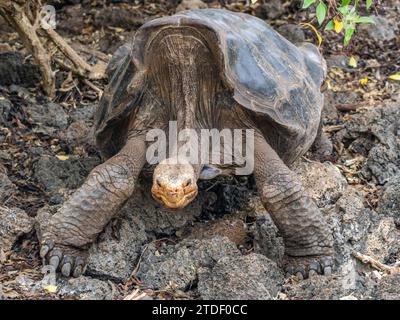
(345, 107)
(377, 264)
(82, 68)
(15, 16)
(24, 17)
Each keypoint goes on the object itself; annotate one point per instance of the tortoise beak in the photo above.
(174, 198)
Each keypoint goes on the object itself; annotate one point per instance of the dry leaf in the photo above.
(62, 157)
(338, 25)
(319, 37)
(352, 62)
(364, 81)
(395, 76)
(50, 289)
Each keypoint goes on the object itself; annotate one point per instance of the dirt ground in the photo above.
(225, 244)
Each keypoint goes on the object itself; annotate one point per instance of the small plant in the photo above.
(340, 18)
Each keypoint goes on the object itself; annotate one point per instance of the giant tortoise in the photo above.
(204, 69)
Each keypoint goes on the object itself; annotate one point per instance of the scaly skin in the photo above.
(85, 214)
(308, 241)
(322, 146)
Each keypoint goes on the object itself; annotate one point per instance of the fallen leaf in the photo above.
(395, 76)
(338, 24)
(62, 157)
(364, 81)
(319, 37)
(50, 289)
(352, 62)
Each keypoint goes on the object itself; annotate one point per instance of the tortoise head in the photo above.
(174, 183)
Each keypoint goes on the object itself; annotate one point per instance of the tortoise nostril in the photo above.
(188, 182)
(158, 182)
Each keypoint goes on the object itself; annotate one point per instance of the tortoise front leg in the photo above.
(85, 214)
(308, 240)
(322, 147)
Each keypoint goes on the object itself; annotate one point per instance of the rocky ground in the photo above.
(224, 245)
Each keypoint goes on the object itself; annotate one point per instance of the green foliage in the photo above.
(321, 12)
(342, 18)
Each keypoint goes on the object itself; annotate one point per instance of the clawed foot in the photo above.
(304, 267)
(69, 260)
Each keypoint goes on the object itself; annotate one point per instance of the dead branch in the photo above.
(377, 264)
(19, 21)
(24, 16)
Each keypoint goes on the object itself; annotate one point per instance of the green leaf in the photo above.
(321, 12)
(330, 26)
(348, 34)
(344, 10)
(345, 3)
(369, 19)
(369, 4)
(308, 3)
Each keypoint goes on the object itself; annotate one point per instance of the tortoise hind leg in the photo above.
(85, 214)
(307, 238)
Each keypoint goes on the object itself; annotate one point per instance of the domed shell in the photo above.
(268, 75)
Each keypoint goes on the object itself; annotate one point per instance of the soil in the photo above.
(225, 236)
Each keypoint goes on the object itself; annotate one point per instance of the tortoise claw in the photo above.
(54, 262)
(305, 267)
(66, 265)
(77, 271)
(69, 260)
(312, 273)
(47, 245)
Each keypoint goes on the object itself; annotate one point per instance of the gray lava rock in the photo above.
(48, 117)
(383, 29)
(267, 240)
(389, 203)
(83, 113)
(323, 288)
(7, 188)
(376, 132)
(271, 9)
(250, 277)
(55, 174)
(190, 5)
(115, 253)
(13, 223)
(292, 32)
(323, 181)
(86, 288)
(157, 220)
(178, 264)
(118, 17)
(78, 133)
(13, 70)
(383, 240)
(388, 288)
(72, 21)
(334, 98)
(228, 226)
(350, 221)
(5, 107)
